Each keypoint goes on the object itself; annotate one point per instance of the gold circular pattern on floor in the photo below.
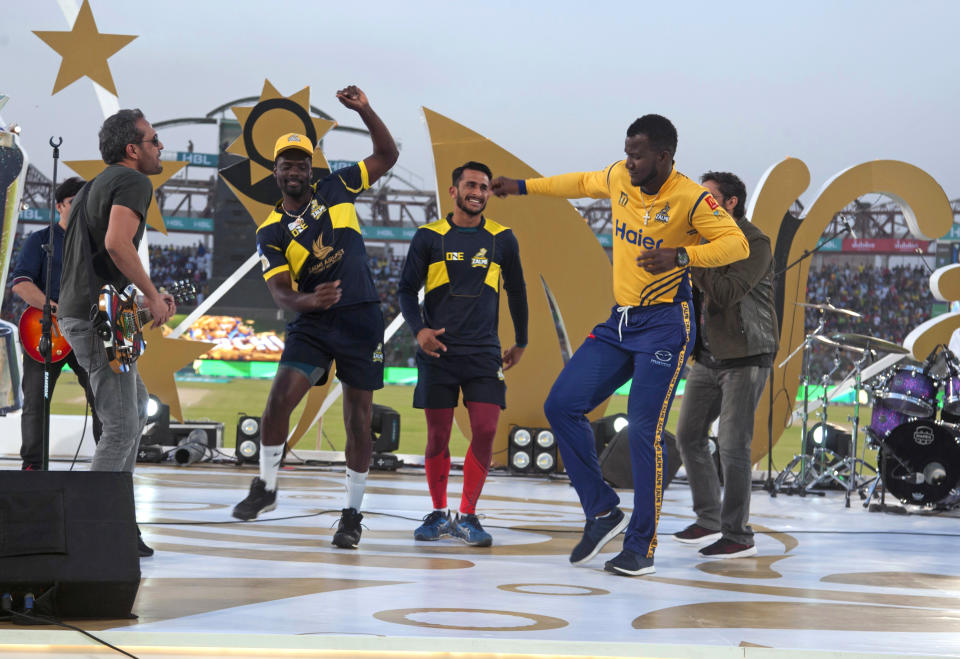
(520, 588)
(539, 622)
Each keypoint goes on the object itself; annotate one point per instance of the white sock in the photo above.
(270, 464)
(356, 484)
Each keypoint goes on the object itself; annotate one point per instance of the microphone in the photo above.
(849, 225)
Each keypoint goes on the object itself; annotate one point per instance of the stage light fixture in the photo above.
(385, 434)
(606, 428)
(248, 438)
(520, 449)
(191, 448)
(157, 428)
(829, 437)
(545, 454)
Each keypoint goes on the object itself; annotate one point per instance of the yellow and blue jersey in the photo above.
(324, 242)
(681, 214)
(460, 270)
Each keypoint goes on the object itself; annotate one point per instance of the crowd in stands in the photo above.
(892, 301)
(402, 347)
(172, 263)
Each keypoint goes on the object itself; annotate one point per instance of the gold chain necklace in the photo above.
(646, 212)
(295, 217)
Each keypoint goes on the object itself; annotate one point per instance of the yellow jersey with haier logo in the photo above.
(681, 214)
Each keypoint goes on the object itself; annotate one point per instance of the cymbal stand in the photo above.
(852, 462)
(797, 487)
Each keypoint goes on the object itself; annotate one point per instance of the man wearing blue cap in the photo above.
(315, 263)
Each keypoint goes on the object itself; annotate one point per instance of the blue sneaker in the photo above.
(630, 563)
(435, 526)
(468, 529)
(596, 533)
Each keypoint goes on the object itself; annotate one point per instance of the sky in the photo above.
(834, 83)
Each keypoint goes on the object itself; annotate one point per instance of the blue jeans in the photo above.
(650, 345)
(120, 398)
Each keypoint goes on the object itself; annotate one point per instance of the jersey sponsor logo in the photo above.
(635, 237)
(297, 227)
(711, 202)
(322, 253)
(378, 353)
(454, 256)
(623, 199)
(664, 215)
(480, 259)
(662, 358)
(316, 210)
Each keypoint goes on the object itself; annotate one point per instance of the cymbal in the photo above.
(869, 343)
(831, 308)
(833, 344)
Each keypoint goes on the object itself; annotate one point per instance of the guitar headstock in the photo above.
(183, 291)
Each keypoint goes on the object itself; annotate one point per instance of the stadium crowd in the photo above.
(892, 300)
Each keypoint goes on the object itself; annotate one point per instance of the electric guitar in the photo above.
(31, 331)
(122, 333)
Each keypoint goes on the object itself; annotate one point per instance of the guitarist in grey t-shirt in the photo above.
(107, 222)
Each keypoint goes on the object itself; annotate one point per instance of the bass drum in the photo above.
(920, 463)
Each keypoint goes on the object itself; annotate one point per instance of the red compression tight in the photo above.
(483, 428)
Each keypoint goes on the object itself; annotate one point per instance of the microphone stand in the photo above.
(770, 486)
(46, 324)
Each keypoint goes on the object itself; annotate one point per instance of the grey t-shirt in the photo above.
(117, 185)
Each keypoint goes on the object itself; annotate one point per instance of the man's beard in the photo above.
(462, 205)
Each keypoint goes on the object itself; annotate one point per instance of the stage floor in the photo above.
(827, 578)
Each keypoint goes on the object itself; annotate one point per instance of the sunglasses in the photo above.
(155, 140)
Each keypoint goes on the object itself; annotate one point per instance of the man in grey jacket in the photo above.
(739, 337)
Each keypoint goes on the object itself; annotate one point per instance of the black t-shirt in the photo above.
(117, 185)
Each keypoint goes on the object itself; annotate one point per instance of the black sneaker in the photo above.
(696, 535)
(145, 550)
(596, 533)
(630, 563)
(724, 548)
(260, 500)
(348, 530)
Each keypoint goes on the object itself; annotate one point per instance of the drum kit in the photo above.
(917, 438)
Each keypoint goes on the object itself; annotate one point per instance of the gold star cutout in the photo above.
(85, 51)
(164, 357)
(87, 169)
(272, 122)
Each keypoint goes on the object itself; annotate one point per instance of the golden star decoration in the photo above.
(162, 358)
(85, 51)
(87, 169)
(267, 127)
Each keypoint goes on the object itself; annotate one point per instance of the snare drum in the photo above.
(912, 391)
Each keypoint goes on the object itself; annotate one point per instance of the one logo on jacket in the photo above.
(480, 259)
(378, 353)
(316, 210)
(297, 227)
(623, 199)
(662, 358)
(664, 215)
(635, 237)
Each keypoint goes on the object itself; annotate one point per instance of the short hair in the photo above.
(117, 132)
(475, 166)
(658, 129)
(68, 188)
(730, 185)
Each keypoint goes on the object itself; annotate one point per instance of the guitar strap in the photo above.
(96, 316)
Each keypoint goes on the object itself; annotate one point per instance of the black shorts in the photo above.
(440, 379)
(351, 336)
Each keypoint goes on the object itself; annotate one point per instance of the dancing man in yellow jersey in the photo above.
(660, 217)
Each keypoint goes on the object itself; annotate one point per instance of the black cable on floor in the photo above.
(34, 619)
